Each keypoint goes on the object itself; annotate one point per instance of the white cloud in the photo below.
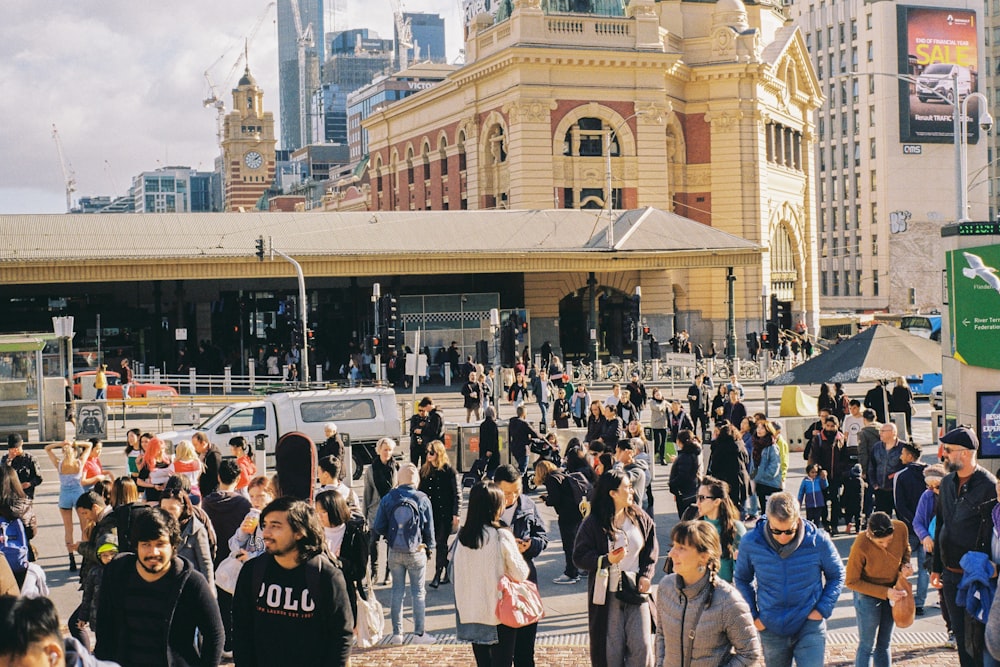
(123, 81)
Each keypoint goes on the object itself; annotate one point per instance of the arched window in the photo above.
(586, 139)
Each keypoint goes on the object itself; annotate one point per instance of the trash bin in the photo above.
(468, 447)
(451, 440)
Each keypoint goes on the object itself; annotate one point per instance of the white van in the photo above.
(937, 81)
(363, 414)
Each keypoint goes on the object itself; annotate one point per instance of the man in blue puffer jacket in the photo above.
(798, 576)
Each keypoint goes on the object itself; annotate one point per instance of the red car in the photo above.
(137, 390)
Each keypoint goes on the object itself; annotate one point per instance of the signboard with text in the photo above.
(988, 421)
(939, 52)
(974, 304)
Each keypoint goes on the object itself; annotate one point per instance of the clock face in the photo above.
(253, 159)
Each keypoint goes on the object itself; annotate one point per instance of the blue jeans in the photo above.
(414, 564)
(807, 647)
(923, 576)
(874, 631)
(544, 423)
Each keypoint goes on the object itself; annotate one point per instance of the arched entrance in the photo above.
(612, 318)
(783, 278)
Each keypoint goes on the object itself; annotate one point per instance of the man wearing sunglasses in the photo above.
(798, 575)
(964, 523)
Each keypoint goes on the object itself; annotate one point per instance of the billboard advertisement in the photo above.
(939, 54)
(974, 300)
(988, 418)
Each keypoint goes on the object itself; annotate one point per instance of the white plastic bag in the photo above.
(227, 573)
(370, 626)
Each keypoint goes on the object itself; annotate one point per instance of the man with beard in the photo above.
(155, 608)
(294, 593)
(211, 457)
(828, 451)
(964, 524)
(425, 427)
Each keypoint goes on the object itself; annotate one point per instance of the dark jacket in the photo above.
(192, 607)
(637, 394)
(595, 425)
(254, 641)
(908, 488)
(559, 495)
(728, 461)
(698, 399)
(830, 452)
(527, 524)
(472, 393)
(677, 423)
(685, 473)
(592, 543)
(441, 486)
(489, 443)
(106, 525)
(612, 430)
(226, 509)
(27, 471)
(333, 446)
(354, 553)
(208, 480)
(964, 520)
(520, 433)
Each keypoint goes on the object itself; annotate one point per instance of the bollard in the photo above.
(227, 380)
(193, 380)
(447, 374)
(252, 372)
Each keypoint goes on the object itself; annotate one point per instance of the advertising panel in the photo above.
(939, 53)
(473, 8)
(974, 299)
(988, 420)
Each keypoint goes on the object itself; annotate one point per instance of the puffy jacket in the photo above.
(976, 591)
(788, 589)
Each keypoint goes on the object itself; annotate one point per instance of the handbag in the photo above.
(628, 590)
(519, 603)
(370, 627)
(601, 579)
(227, 573)
(905, 609)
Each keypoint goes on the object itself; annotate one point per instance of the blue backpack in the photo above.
(404, 526)
(14, 544)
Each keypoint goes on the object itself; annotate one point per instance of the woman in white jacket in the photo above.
(484, 552)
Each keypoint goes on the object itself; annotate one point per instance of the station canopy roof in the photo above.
(663, 239)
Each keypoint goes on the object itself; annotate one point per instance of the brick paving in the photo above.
(909, 655)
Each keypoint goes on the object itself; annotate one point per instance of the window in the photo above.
(590, 133)
(836, 283)
(822, 220)
(868, 21)
(874, 245)
(823, 284)
(854, 58)
(857, 125)
(857, 223)
(857, 147)
(874, 214)
(871, 148)
(249, 419)
(854, 90)
(875, 282)
(871, 85)
(871, 54)
(857, 278)
(822, 128)
(874, 180)
(871, 116)
(819, 39)
(854, 29)
(349, 410)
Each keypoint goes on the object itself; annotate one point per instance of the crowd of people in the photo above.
(201, 545)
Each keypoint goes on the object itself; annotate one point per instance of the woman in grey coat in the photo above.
(701, 621)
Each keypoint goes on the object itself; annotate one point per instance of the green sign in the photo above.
(974, 300)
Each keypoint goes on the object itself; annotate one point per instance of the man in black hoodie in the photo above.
(156, 589)
(291, 605)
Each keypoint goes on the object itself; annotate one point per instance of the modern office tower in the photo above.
(385, 90)
(248, 147)
(885, 154)
(356, 58)
(289, 88)
(428, 38)
(173, 190)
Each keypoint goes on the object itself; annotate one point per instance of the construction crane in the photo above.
(214, 100)
(304, 40)
(69, 176)
(404, 34)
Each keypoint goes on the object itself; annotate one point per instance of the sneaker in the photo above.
(387, 581)
(425, 638)
(396, 640)
(920, 611)
(563, 579)
(951, 640)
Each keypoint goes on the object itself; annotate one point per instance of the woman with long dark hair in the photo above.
(439, 481)
(194, 544)
(685, 473)
(703, 619)
(714, 506)
(826, 400)
(484, 554)
(349, 539)
(766, 461)
(617, 536)
(728, 461)
(595, 422)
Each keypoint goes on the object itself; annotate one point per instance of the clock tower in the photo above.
(248, 147)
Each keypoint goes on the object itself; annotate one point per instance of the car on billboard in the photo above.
(136, 390)
(937, 82)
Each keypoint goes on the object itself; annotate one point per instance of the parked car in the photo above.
(137, 390)
(937, 398)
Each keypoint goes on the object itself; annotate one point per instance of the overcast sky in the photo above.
(123, 82)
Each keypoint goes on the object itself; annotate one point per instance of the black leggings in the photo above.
(660, 443)
(500, 654)
(442, 531)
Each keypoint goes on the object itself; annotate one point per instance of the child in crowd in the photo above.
(187, 464)
(107, 549)
(243, 452)
(811, 494)
(854, 491)
(248, 540)
(330, 479)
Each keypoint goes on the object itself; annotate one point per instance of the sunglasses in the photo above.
(790, 531)
(701, 498)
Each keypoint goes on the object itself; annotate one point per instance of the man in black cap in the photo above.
(964, 524)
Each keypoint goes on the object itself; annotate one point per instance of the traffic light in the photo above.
(390, 321)
(260, 248)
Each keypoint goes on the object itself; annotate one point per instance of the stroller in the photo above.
(476, 474)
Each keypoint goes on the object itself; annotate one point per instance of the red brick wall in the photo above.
(694, 205)
(697, 138)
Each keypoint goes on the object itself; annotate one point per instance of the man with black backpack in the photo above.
(406, 520)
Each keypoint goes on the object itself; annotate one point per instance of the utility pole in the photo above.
(303, 306)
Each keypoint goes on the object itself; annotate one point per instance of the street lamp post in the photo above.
(608, 200)
(986, 123)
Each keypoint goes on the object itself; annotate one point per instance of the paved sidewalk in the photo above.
(905, 655)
